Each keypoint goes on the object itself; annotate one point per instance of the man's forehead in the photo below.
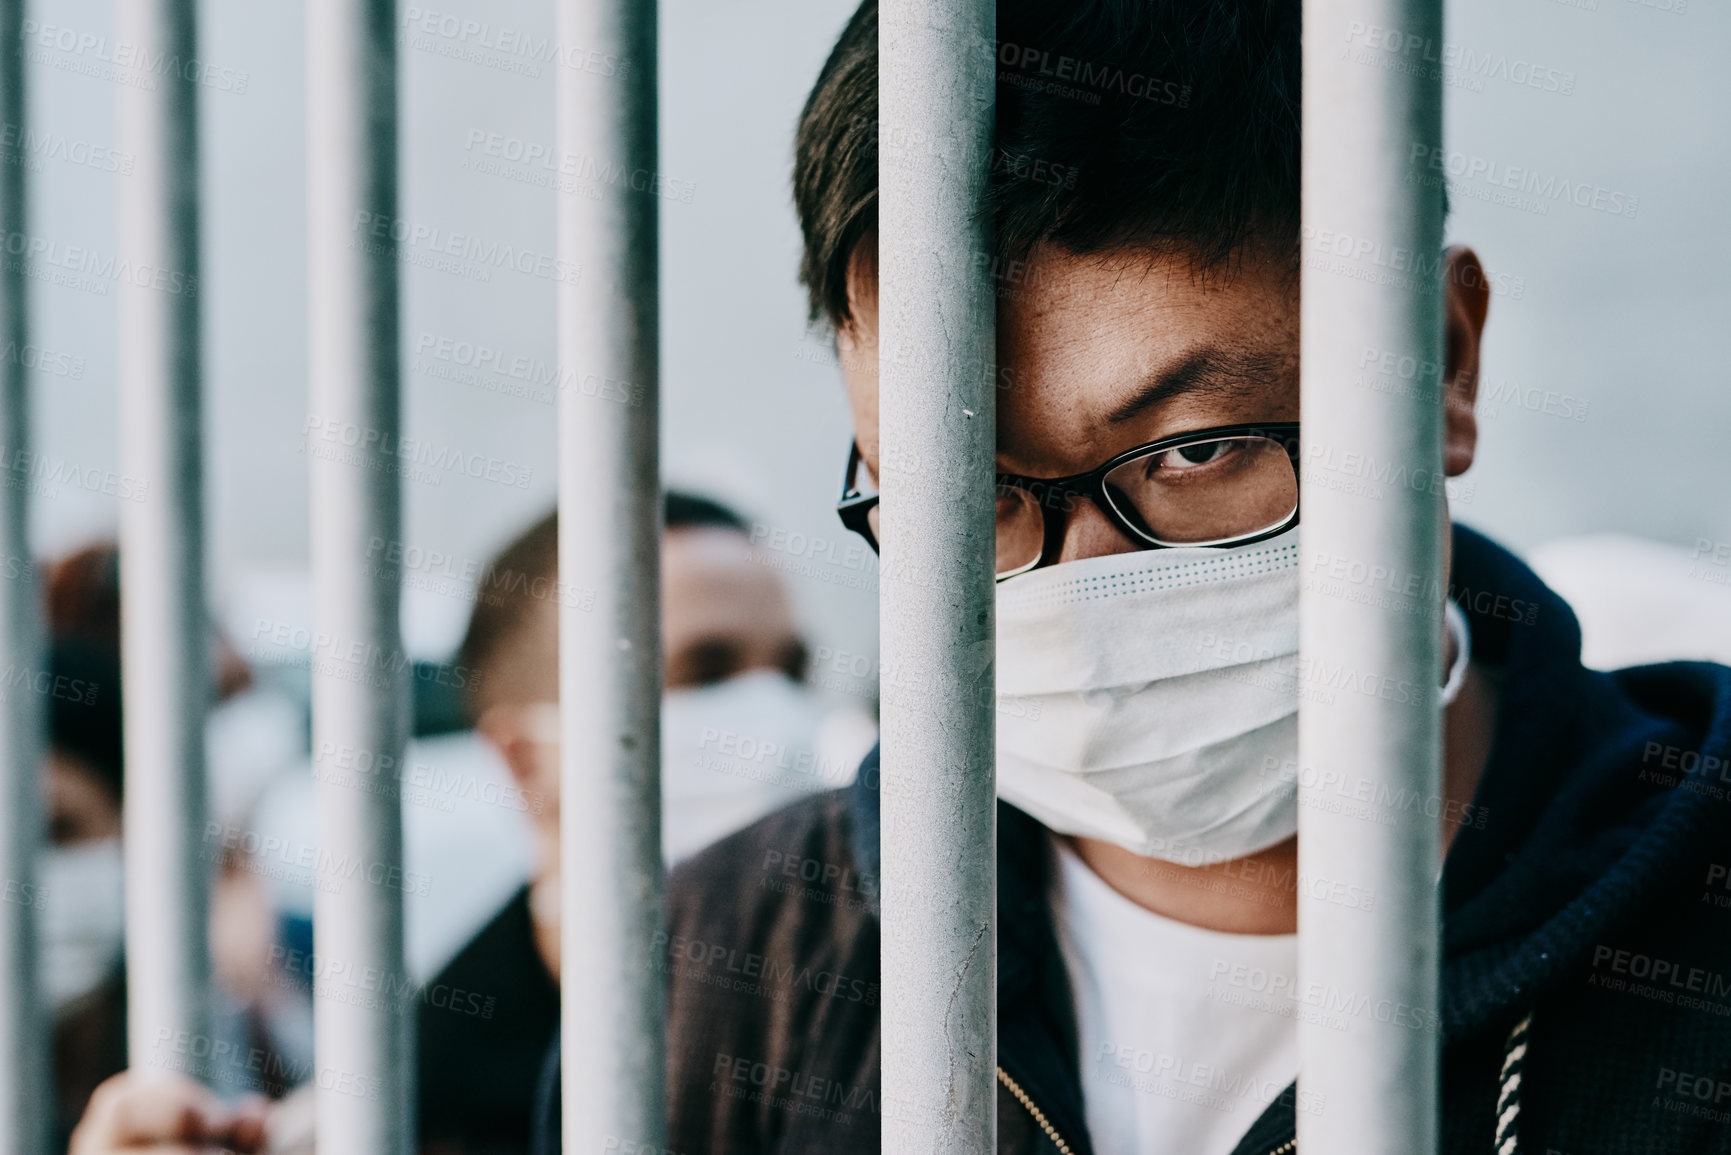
(1152, 308)
(1094, 349)
(713, 576)
(1113, 352)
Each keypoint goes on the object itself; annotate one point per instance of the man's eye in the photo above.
(794, 659)
(709, 662)
(1190, 456)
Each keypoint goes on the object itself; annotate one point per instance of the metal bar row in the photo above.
(611, 990)
(1378, 1075)
(165, 655)
(25, 1094)
(363, 1049)
(937, 425)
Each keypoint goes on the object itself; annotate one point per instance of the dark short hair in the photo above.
(84, 711)
(691, 511)
(1166, 125)
(530, 563)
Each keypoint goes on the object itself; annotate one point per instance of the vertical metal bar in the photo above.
(609, 546)
(937, 417)
(164, 631)
(1377, 725)
(25, 1093)
(362, 1025)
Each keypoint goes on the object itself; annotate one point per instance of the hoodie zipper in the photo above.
(1039, 1115)
(1286, 1148)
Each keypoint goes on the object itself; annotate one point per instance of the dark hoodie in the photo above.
(1587, 934)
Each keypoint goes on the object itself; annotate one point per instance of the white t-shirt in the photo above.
(1179, 1053)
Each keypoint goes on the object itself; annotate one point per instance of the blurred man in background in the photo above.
(734, 668)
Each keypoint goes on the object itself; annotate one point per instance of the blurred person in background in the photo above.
(741, 736)
(80, 890)
(82, 879)
(734, 666)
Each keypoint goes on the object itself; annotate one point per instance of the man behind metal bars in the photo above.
(1146, 200)
(1145, 191)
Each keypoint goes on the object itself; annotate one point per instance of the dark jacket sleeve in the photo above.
(771, 958)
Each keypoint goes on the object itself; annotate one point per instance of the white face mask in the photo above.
(83, 918)
(1144, 695)
(734, 751)
(1141, 694)
(1456, 621)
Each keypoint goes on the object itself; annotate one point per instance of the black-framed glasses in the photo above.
(1229, 485)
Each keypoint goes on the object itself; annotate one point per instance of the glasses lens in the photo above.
(1206, 492)
(1021, 529)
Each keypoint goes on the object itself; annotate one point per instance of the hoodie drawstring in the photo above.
(1509, 1088)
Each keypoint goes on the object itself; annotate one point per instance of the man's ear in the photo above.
(1467, 300)
(518, 731)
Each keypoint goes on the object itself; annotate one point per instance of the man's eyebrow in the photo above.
(1228, 372)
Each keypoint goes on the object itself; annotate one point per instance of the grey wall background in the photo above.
(1624, 316)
